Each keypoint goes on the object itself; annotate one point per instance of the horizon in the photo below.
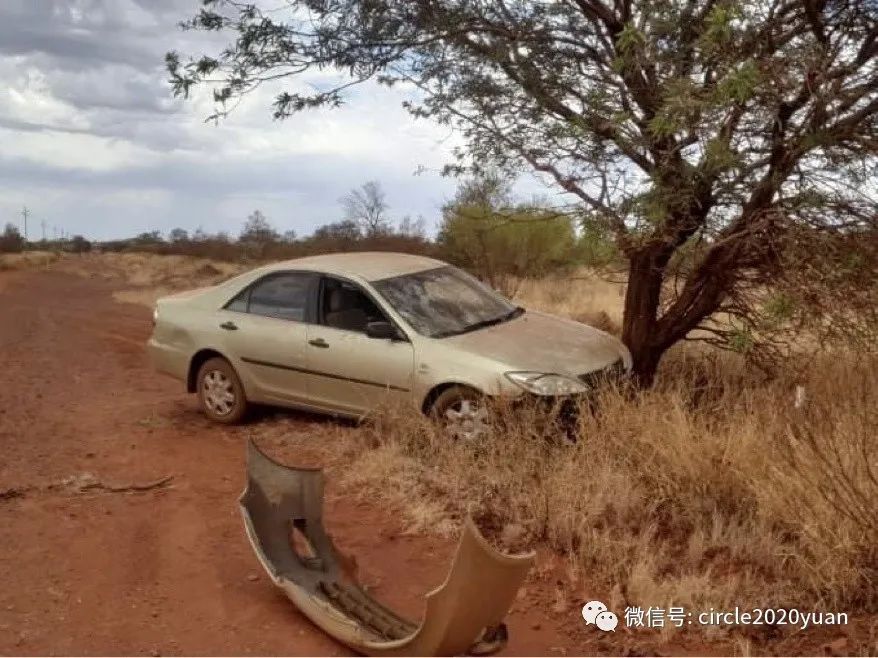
(95, 144)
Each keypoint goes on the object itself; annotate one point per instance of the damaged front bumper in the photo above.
(283, 508)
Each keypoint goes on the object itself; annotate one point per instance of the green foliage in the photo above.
(718, 156)
(595, 246)
(739, 85)
(499, 242)
(719, 29)
(741, 340)
(630, 40)
(779, 308)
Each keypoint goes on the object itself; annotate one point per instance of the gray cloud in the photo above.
(93, 141)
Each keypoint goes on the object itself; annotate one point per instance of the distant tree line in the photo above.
(12, 242)
(483, 229)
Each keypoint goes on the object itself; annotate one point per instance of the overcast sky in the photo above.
(91, 139)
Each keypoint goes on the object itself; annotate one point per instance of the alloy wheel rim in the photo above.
(467, 420)
(219, 394)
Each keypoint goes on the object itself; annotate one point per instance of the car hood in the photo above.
(544, 343)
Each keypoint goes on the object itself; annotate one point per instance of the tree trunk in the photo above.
(648, 336)
(639, 323)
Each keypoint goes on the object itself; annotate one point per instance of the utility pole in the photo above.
(43, 226)
(24, 213)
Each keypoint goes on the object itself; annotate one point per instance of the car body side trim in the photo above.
(269, 364)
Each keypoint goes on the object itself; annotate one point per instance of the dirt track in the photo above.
(167, 571)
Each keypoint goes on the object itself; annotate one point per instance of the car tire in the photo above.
(463, 413)
(220, 393)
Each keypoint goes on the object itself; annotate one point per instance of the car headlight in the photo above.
(541, 383)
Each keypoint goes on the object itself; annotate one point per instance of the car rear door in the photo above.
(349, 371)
(264, 331)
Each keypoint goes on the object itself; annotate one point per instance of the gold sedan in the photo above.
(347, 333)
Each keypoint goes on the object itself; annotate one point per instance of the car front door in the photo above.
(349, 371)
(265, 333)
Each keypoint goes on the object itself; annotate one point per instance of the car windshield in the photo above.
(445, 302)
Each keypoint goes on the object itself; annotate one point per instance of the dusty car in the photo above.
(346, 333)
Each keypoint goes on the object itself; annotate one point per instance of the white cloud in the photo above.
(66, 151)
(93, 140)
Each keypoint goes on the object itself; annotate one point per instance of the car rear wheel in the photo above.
(462, 412)
(220, 393)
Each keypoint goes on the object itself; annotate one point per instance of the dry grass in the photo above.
(704, 496)
(712, 490)
(150, 276)
(27, 260)
(585, 297)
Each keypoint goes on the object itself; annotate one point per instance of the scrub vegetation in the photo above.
(721, 485)
(712, 489)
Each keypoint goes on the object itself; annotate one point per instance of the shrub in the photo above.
(11, 240)
(502, 246)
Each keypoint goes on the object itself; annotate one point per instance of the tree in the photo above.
(367, 207)
(258, 230)
(346, 231)
(413, 228)
(257, 234)
(178, 235)
(148, 238)
(79, 245)
(704, 128)
(11, 240)
(502, 242)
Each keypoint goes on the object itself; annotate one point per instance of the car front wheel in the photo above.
(220, 393)
(462, 412)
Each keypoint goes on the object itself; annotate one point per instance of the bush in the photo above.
(79, 245)
(502, 246)
(11, 240)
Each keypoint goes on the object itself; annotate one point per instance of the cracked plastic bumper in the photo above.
(282, 509)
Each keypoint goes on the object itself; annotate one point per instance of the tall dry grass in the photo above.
(714, 489)
(698, 495)
(150, 276)
(585, 296)
(27, 260)
(711, 490)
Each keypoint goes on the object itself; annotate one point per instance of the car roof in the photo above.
(369, 265)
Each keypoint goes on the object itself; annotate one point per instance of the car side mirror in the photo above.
(382, 329)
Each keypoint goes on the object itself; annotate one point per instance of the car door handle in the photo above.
(229, 326)
(318, 342)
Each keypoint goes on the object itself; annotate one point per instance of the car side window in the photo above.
(345, 306)
(283, 296)
(239, 303)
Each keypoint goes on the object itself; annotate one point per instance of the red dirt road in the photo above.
(166, 571)
(169, 571)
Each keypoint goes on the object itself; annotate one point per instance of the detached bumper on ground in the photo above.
(282, 509)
